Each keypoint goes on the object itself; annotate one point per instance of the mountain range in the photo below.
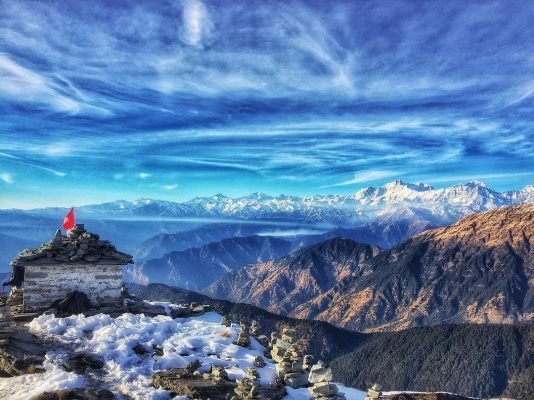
(439, 206)
(479, 270)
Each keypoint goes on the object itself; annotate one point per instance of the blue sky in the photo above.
(104, 100)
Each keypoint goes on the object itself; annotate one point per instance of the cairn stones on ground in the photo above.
(226, 321)
(247, 388)
(218, 373)
(374, 392)
(322, 388)
(263, 340)
(289, 368)
(289, 335)
(6, 329)
(307, 362)
(255, 328)
(320, 373)
(16, 297)
(243, 338)
(259, 362)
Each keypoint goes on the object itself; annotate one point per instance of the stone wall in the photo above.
(45, 283)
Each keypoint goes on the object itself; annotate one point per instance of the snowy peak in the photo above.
(440, 206)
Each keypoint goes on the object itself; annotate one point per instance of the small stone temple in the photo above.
(79, 261)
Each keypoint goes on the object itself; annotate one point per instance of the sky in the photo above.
(107, 100)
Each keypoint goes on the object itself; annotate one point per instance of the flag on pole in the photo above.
(68, 221)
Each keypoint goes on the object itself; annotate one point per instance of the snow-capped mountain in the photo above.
(440, 206)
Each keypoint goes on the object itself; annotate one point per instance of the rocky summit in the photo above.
(478, 270)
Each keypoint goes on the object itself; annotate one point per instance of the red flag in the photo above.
(68, 221)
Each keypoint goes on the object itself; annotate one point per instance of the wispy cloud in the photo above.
(6, 177)
(263, 96)
(365, 176)
(170, 187)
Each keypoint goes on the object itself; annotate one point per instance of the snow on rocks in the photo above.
(182, 340)
(169, 343)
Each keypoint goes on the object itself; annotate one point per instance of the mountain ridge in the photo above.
(445, 204)
(480, 269)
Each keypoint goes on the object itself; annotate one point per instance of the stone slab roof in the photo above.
(79, 247)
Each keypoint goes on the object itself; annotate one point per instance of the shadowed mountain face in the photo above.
(283, 285)
(196, 268)
(479, 270)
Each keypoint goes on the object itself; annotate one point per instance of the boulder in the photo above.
(76, 394)
(73, 303)
(80, 362)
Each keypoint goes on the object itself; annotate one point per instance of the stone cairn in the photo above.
(248, 387)
(243, 339)
(226, 321)
(321, 377)
(6, 329)
(374, 392)
(290, 366)
(78, 246)
(255, 331)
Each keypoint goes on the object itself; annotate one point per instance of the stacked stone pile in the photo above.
(255, 328)
(6, 328)
(79, 246)
(248, 387)
(321, 377)
(226, 321)
(243, 339)
(374, 393)
(289, 368)
(16, 297)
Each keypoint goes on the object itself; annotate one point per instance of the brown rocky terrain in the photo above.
(478, 270)
(281, 286)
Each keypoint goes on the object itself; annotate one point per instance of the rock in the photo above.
(140, 350)
(58, 238)
(319, 373)
(226, 321)
(259, 362)
(80, 362)
(76, 394)
(307, 362)
(74, 303)
(296, 379)
(255, 328)
(374, 392)
(289, 335)
(263, 340)
(243, 339)
(323, 389)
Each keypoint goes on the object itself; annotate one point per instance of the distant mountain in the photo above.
(196, 268)
(473, 360)
(9, 248)
(441, 206)
(283, 285)
(479, 270)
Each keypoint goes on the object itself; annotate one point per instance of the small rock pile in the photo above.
(255, 328)
(243, 339)
(226, 321)
(78, 246)
(16, 297)
(321, 377)
(374, 392)
(6, 329)
(290, 364)
(248, 387)
(189, 310)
